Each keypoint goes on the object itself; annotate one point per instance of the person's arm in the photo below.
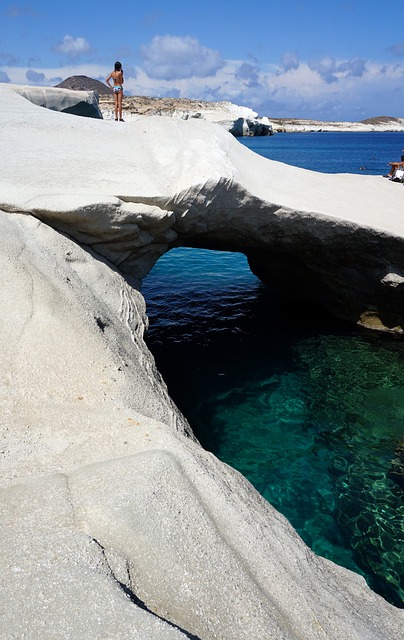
(108, 79)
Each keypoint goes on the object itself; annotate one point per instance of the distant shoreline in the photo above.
(183, 108)
(136, 106)
(294, 125)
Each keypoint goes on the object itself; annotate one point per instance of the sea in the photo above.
(307, 407)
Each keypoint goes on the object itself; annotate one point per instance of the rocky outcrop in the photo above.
(115, 522)
(78, 103)
(84, 83)
(242, 127)
(248, 122)
(239, 121)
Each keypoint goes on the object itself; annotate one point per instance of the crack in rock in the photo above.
(126, 585)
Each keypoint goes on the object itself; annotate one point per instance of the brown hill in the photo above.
(83, 83)
(380, 120)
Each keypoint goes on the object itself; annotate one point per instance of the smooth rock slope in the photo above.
(115, 523)
(78, 103)
(336, 239)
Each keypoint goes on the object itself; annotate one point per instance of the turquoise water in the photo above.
(309, 409)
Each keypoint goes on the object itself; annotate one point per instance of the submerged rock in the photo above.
(397, 466)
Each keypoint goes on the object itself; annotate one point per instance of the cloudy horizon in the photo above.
(330, 68)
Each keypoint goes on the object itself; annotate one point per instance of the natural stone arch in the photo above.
(356, 272)
(333, 238)
(82, 401)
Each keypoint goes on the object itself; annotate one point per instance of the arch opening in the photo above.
(290, 398)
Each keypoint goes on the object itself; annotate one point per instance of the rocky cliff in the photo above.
(115, 522)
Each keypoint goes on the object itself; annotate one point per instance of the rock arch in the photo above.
(101, 476)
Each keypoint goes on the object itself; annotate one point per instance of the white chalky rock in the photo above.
(115, 522)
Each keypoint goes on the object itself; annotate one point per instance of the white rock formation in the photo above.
(242, 127)
(115, 522)
(240, 121)
(227, 113)
(79, 103)
(217, 111)
(291, 125)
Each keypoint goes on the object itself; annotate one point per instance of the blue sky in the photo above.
(323, 60)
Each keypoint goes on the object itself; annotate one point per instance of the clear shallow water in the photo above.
(308, 408)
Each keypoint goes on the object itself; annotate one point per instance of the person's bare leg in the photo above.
(116, 105)
(120, 96)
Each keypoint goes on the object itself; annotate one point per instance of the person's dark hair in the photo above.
(118, 66)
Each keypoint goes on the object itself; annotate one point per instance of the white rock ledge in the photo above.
(115, 522)
(79, 103)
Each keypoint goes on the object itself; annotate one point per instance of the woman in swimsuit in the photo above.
(117, 77)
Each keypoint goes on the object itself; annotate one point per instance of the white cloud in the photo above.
(397, 49)
(289, 61)
(330, 71)
(15, 11)
(35, 77)
(54, 75)
(298, 92)
(8, 59)
(175, 57)
(248, 74)
(73, 47)
(326, 68)
(361, 90)
(355, 67)
(130, 71)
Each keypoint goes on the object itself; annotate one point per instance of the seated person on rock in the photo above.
(394, 166)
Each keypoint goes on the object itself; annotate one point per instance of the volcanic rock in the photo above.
(83, 83)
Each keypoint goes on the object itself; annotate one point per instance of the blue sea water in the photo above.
(309, 409)
(342, 152)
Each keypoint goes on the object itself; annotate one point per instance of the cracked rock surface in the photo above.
(115, 523)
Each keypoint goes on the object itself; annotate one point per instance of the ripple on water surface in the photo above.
(311, 412)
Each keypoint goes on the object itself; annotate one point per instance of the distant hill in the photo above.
(381, 120)
(83, 83)
(145, 105)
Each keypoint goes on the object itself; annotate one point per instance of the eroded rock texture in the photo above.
(115, 522)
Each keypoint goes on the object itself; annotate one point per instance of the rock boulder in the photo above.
(242, 127)
(78, 103)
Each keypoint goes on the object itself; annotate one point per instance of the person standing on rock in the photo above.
(117, 77)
